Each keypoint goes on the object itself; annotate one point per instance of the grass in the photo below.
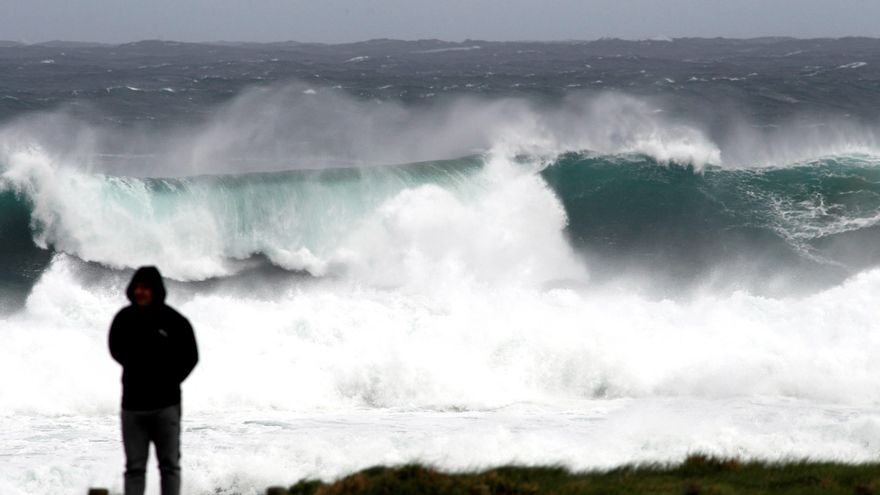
(698, 474)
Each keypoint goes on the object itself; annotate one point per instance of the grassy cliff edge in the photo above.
(698, 474)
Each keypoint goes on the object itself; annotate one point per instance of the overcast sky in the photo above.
(355, 20)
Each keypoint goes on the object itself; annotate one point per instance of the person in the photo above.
(157, 349)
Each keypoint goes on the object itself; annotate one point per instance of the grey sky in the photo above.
(356, 20)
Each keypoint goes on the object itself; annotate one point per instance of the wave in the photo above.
(809, 224)
(23, 261)
(490, 218)
(380, 224)
(607, 183)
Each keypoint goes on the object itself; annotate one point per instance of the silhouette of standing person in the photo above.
(157, 350)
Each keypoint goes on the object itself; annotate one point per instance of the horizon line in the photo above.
(652, 39)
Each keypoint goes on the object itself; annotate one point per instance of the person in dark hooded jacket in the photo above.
(157, 350)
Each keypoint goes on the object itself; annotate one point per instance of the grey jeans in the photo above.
(162, 428)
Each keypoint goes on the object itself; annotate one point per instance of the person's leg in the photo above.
(136, 440)
(167, 439)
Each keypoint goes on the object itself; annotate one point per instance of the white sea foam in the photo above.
(456, 344)
(113, 221)
(459, 373)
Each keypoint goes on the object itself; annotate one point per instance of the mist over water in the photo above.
(477, 278)
(645, 198)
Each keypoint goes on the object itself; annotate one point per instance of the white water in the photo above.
(324, 377)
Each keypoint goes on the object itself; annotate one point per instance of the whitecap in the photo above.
(854, 65)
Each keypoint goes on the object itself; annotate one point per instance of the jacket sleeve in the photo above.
(118, 341)
(189, 352)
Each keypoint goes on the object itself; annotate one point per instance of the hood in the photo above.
(149, 276)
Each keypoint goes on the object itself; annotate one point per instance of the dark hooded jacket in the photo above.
(155, 346)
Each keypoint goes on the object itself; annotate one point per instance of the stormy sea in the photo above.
(464, 254)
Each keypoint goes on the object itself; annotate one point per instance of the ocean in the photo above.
(464, 254)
